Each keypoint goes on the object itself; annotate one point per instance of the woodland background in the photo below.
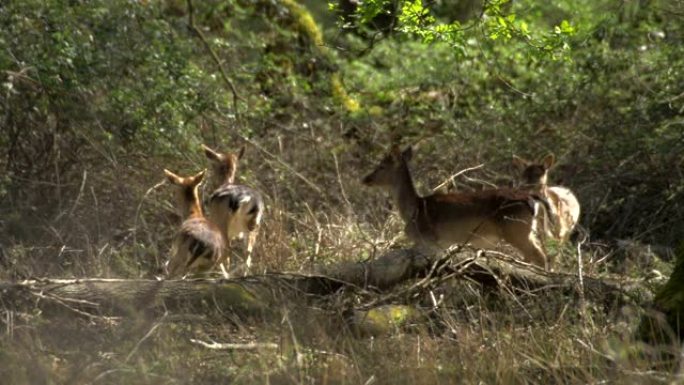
(99, 96)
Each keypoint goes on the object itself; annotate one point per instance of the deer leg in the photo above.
(225, 260)
(564, 225)
(251, 240)
(224, 272)
(533, 253)
(174, 267)
(521, 234)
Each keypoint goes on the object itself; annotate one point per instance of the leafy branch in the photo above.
(497, 21)
(499, 25)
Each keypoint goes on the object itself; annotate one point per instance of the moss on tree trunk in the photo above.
(663, 323)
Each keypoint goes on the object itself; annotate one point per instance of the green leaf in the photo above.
(566, 27)
(524, 28)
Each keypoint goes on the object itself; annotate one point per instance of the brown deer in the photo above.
(481, 219)
(235, 208)
(565, 207)
(198, 246)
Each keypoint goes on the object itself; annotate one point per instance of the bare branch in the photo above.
(452, 177)
(228, 346)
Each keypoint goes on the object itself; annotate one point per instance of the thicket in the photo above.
(99, 96)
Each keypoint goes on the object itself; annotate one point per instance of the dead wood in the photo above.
(380, 282)
(492, 270)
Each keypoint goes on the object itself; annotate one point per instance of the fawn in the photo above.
(565, 207)
(235, 208)
(198, 246)
(480, 218)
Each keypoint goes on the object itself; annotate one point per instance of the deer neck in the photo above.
(542, 189)
(226, 175)
(190, 204)
(195, 210)
(404, 194)
(537, 188)
(229, 179)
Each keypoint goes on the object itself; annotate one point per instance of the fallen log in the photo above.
(492, 270)
(264, 296)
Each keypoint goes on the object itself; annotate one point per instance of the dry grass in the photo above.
(472, 337)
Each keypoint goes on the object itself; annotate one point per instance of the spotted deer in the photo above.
(565, 207)
(480, 219)
(237, 209)
(198, 245)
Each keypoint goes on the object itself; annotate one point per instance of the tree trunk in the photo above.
(663, 322)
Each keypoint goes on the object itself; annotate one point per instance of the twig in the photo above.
(579, 270)
(97, 211)
(514, 261)
(198, 32)
(429, 280)
(145, 337)
(319, 234)
(137, 211)
(63, 302)
(228, 346)
(259, 346)
(21, 74)
(73, 300)
(80, 193)
(78, 198)
(299, 356)
(287, 166)
(9, 322)
(110, 371)
(580, 273)
(451, 178)
(167, 380)
(339, 181)
(510, 291)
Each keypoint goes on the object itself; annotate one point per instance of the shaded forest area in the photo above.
(99, 97)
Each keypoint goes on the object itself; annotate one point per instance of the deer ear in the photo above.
(549, 161)
(211, 154)
(241, 152)
(519, 162)
(171, 177)
(197, 178)
(407, 154)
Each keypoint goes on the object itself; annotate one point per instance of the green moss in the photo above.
(233, 294)
(309, 27)
(340, 94)
(306, 22)
(384, 320)
(664, 322)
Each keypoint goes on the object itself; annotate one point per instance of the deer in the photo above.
(565, 207)
(198, 245)
(237, 209)
(441, 220)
